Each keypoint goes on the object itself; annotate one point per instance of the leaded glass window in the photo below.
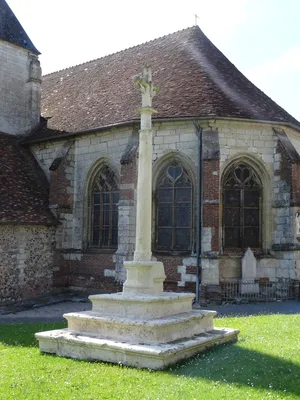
(242, 199)
(104, 210)
(173, 209)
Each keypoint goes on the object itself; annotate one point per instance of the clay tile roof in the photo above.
(195, 79)
(11, 30)
(23, 185)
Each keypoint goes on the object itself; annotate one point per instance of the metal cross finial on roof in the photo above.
(196, 19)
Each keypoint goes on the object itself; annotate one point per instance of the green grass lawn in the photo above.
(263, 364)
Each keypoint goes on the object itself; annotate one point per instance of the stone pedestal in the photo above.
(144, 277)
(144, 331)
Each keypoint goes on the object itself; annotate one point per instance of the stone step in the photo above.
(67, 344)
(149, 331)
(142, 306)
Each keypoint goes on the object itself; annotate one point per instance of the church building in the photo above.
(226, 169)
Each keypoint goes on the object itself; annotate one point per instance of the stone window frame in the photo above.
(91, 176)
(266, 202)
(158, 168)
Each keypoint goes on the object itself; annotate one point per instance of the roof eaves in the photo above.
(67, 135)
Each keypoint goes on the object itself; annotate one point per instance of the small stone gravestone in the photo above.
(249, 273)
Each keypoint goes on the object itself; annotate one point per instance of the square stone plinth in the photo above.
(147, 331)
(142, 306)
(66, 344)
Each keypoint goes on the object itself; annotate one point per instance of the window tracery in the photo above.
(173, 209)
(242, 191)
(104, 198)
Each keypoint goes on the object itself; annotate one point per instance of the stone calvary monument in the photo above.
(143, 326)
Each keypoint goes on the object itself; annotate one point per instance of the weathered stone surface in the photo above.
(249, 273)
(144, 277)
(82, 347)
(149, 331)
(142, 306)
(210, 272)
(248, 265)
(20, 80)
(27, 259)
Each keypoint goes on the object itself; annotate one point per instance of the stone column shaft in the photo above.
(143, 275)
(144, 184)
(144, 198)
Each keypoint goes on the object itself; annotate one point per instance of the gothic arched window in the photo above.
(242, 192)
(104, 198)
(173, 209)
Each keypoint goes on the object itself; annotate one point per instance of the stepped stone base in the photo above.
(129, 330)
(159, 356)
(138, 330)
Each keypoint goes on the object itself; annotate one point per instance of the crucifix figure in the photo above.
(146, 87)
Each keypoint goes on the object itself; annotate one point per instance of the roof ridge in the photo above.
(127, 48)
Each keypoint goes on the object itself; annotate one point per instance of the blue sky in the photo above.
(261, 37)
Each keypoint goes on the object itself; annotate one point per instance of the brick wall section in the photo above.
(283, 167)
(171, 264)
(61, 272)
(84, 270)
(27, 262)
(89, 272)
(211, 193)
(211, 218)
(20, 81)
(284, 230)
(128, 180)
(295, 184)
(211, 174)
(61, 184)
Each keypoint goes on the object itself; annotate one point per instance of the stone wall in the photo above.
(27, 261)
(254, 142)
(20, 80)
(71, 179)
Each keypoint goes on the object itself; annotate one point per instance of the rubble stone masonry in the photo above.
(27, 261)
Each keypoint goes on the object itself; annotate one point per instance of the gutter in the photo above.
(199, 210)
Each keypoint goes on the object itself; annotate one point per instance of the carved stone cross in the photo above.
(146, 87)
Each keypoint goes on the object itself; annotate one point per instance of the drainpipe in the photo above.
(199, 212)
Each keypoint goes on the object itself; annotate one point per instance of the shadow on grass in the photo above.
(230, 364)
(22, 335)
(233, 364)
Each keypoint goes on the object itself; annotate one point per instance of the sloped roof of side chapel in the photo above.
(24, 189)
(195, 79)
(12, 31)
